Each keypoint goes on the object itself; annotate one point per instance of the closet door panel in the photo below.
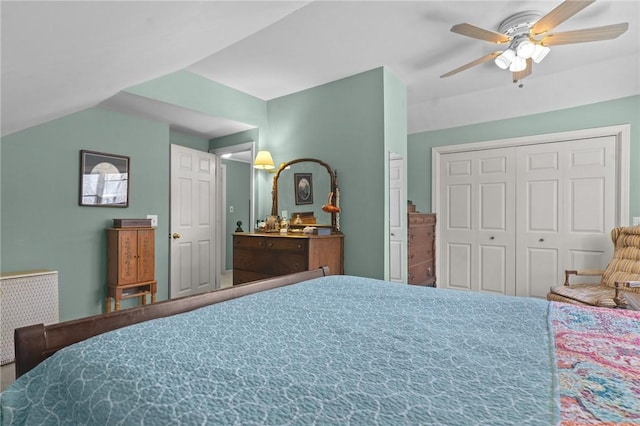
(477, 219)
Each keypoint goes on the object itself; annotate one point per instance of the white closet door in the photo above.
(477, 221)
(566, 208)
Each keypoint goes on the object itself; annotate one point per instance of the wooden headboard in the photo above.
(35, 343)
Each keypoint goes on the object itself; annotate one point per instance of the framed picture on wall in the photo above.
(303, 188)
(104, 179)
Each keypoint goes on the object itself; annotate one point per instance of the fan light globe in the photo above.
(505, 59)
(525, 49)
(518, 64)
(539, 53)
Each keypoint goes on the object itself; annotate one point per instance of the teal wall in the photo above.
(341, 123)
(602, 114)
(42, 224)
(395, 136)
(238, 197)
(189, 141)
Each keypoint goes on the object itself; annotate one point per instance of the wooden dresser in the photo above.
(260, 255)
(130, 265)
(422, 249)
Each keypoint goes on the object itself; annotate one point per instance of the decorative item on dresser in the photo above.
(422, 249)
(259, 256)
(130, 264)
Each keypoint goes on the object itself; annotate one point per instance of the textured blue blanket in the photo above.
(334, 350)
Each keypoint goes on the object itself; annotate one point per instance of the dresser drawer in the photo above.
(420, 234)
(282, 265)
(422, 273)
(249, 242)
(420, 252)
(287, 244)
(240, 277)
(250, 259)
(422, 219)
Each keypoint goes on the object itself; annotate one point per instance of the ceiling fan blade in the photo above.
(606, 32)
(480, 33)
(478, 61)
(517, 76)
(561, 13)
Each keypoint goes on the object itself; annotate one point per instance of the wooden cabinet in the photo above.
(258, 256)
(130, 265)
(422, 249)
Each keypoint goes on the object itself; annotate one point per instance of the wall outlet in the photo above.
(154, 219)
(636, 221)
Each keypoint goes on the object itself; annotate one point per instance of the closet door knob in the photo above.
(175, 236)
(492, 238)
(541, 239)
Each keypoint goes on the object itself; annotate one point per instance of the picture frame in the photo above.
(303, 187)
(104, 179)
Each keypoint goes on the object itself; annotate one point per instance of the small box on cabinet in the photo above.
(132, 223)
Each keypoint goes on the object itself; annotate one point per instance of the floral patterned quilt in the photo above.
(598, 358)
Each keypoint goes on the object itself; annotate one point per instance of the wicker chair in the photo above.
(623, 269)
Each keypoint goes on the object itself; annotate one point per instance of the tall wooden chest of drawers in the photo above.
(258, 256)
(422, 249)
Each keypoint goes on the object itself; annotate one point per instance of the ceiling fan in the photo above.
(526, 35)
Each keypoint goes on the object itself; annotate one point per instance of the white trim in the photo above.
(622, 133)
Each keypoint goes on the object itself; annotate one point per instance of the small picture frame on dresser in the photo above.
(104, 179)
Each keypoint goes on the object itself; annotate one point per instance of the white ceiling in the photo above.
(62, 57)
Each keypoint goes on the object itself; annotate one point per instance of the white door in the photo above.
(397, 252)
(477, 226)
(513, 219)
(192, 218)
(566, 209)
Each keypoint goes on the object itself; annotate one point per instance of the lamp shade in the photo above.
(525, 49)
(518, 64)
(539, 53)
(263, 161)
(504, 60)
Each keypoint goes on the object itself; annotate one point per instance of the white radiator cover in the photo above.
(26, 298)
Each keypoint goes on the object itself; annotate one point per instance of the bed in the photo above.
(315, 349)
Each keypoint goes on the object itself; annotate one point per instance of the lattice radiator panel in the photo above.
(26, 298)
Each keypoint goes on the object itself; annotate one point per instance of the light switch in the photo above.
(154, 219)
(636, 221)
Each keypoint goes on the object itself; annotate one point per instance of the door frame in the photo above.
(220, 200)
(621, 133)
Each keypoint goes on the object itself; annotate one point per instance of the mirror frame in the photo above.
(332, 177)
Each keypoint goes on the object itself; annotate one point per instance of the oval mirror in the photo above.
(301, 188)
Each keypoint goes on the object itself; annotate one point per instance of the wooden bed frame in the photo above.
(35, 343)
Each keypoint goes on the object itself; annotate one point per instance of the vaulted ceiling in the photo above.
(62, 57)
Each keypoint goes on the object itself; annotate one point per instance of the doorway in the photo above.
(397, 242)
(234, 202)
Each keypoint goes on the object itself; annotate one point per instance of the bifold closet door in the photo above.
(565, 211)
(513, 219)
(477, 221)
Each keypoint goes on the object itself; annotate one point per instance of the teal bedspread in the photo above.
(335, 350)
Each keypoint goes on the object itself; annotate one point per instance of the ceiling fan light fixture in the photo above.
(539, 53)
(505, 59)
(525, 49)
(518, 64)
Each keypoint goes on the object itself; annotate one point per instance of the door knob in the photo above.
(541, 240)
(492, 238)
(175, 236)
